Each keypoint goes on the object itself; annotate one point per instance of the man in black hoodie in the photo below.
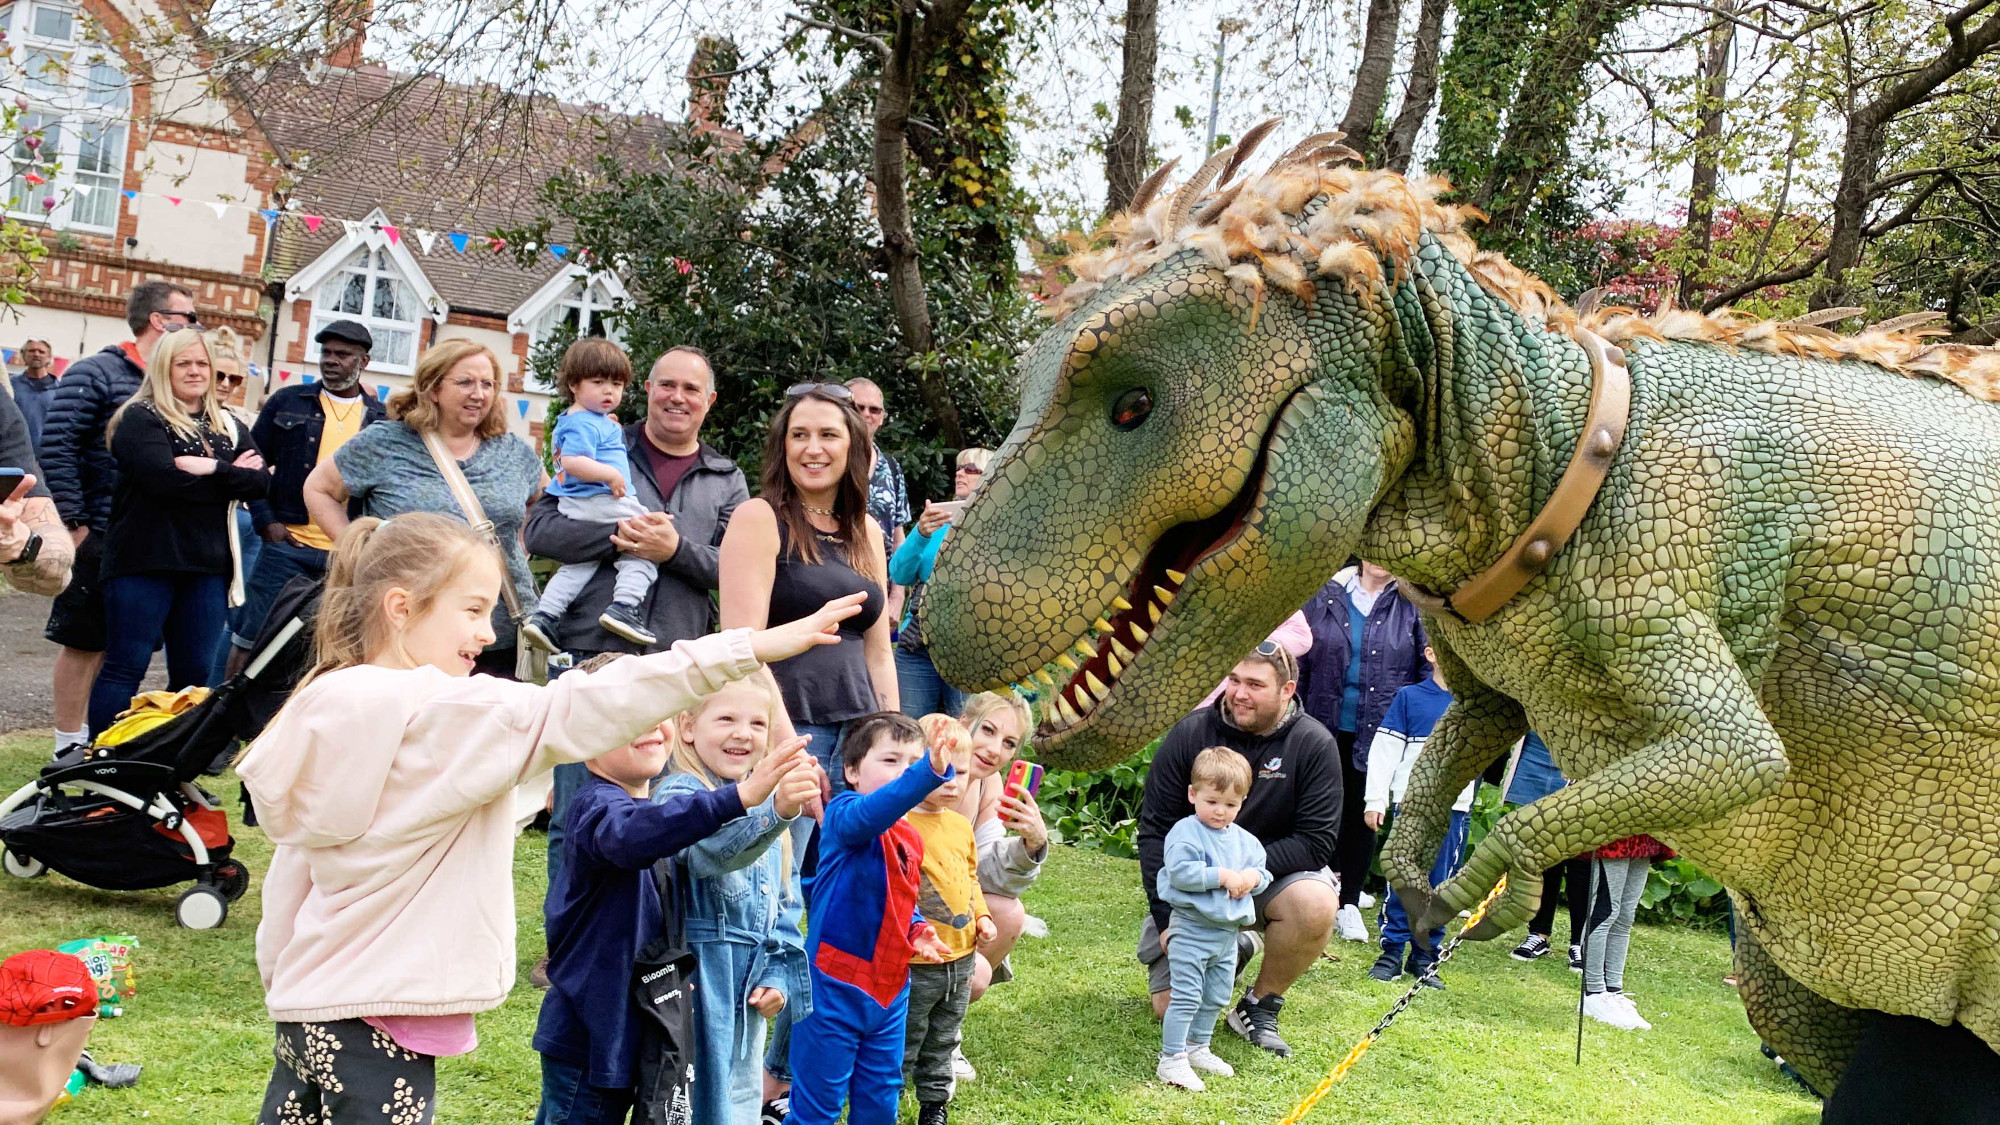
(1293, 809)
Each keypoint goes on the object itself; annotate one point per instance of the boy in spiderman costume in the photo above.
(863, 926)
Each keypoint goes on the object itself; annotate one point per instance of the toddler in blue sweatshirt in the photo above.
(1211, 872)
(604, 907)
(1400, 737)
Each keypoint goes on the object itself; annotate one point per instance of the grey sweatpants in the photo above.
(635, 575)
(1620, 883)
(1202, 959)
(939, 995)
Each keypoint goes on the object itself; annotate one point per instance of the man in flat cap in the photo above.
(300, 426)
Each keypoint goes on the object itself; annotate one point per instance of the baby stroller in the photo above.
(130, 814)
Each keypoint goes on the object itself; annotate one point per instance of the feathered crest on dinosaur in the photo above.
(1262, 232)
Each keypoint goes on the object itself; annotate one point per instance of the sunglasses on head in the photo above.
(831, 390)
(1267, 648)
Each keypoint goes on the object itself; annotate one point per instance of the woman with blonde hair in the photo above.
(183, 460)
(453, 411)
(226, 359)
(917, 681)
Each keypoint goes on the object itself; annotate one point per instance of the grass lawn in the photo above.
(1072, 1040)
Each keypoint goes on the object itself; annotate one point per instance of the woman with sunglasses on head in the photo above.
(923, 692)
(807, 535)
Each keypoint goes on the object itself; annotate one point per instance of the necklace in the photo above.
(827, 512)
(341, 416)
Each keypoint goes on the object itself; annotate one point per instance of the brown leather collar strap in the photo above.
(1603, 431)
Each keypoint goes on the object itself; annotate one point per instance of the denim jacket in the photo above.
(287, 433)
(736, 890)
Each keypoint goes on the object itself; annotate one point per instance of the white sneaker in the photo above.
(1631, 1010)
(1350, 925)
(1033, 927)
(1202, 1059)
(1367, 901)
(1605, 1008)
(1175, 1071)
(961, 1069)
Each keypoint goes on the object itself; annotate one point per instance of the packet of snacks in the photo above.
(109, 959)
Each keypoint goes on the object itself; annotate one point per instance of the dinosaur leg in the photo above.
(1480, 725)
(1711, 751)
(1814, 1034)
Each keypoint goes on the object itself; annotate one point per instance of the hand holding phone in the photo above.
(1025, 776)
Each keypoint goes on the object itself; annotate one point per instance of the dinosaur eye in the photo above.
(1131, 408)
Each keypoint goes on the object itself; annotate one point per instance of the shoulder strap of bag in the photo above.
(461, 493)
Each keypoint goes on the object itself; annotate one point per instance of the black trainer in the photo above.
(1257, 1021)
(933, 1113)
(776, 1110)
(1426, 974)
(1575, 958)
(1387, 967)
(540, 630)
(1533, 948)
(625, 621)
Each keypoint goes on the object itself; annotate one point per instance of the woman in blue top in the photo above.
(740, 902)
(922, 691)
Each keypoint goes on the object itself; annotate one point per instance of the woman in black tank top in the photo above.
(807, 537)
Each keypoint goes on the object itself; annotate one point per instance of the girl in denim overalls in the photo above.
(740, 901)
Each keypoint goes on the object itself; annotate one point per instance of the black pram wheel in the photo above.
(232, 879)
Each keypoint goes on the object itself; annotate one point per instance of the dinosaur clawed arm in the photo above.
(1712, 751)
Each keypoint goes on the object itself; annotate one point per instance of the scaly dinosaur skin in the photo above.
(1771, 643)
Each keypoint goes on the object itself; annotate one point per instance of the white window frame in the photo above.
(590, 293)
(69, 112)
(371, 235)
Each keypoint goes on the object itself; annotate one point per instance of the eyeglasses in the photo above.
(874, 411)
(228, 380)
(188, 319)
(973, 469)
(830, 390)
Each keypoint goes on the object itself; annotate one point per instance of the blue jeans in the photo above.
(277, 564)
(141, 610)
(1202, 961)
(568, 1100)
(1451, 853)
(569, 777)
(922, 690)
(825, 749)
(253, 547)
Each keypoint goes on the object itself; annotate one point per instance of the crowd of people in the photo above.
(753, 758)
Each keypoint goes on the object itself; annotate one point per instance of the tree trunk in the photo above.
(1401, 144)
(1371, 82)
(1126, 156)
(892, 210)
(1712, 93)
(1545, 108)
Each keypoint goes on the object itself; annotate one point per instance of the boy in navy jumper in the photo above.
(1398, 741)
(863, 926)
(604, 907)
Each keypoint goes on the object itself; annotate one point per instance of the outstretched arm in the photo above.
(1710, 751)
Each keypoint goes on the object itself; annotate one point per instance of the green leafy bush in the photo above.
(1678, 891)
(1098, 810)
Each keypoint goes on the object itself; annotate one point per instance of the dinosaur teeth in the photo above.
(1101, 625)
(1140, 635)
(1176, 577)
(1068, 713)
(1166, 596)
(1121, 605)
(1096, 685)
(1085, 650)
(1120, 652)
(1111, 660)
(1153, 610)
(1067, 663)
(1047, 682)
(1084, 699)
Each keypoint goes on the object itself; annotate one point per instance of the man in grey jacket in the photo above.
(689, 491)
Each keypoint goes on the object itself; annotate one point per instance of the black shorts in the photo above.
(76, 616)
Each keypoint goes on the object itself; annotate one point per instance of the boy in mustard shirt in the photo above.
(948, 897)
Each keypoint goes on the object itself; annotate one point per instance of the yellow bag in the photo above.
(150, 709)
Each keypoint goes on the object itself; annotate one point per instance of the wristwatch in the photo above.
(29, 551)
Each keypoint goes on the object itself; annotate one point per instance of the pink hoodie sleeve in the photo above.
(1293, 633)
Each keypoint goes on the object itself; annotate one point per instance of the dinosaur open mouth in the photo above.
(1142, 612)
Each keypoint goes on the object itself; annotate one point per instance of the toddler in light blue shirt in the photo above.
(593, 483)
(1212, 871)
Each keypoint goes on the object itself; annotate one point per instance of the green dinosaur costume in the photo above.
(1771, 643)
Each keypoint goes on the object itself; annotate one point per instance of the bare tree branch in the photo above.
(875, 41)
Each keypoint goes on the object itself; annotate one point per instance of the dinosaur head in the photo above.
(1203, 435)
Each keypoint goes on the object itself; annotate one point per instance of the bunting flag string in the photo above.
(461, 242)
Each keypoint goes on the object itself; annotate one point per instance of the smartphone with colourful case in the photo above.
(1025, 775)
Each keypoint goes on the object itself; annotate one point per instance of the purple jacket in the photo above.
(1392, 658)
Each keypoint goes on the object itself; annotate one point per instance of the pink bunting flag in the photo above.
(312, 224)
(394, 232)
(173, 199)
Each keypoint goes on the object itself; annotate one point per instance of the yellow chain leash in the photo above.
(1339, 1072)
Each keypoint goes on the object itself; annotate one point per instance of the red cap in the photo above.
(43, 986)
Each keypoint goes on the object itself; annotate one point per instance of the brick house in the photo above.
(337, 189)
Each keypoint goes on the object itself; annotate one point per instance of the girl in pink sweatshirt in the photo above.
(385, 783)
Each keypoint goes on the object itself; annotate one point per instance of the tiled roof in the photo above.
(434, 155)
